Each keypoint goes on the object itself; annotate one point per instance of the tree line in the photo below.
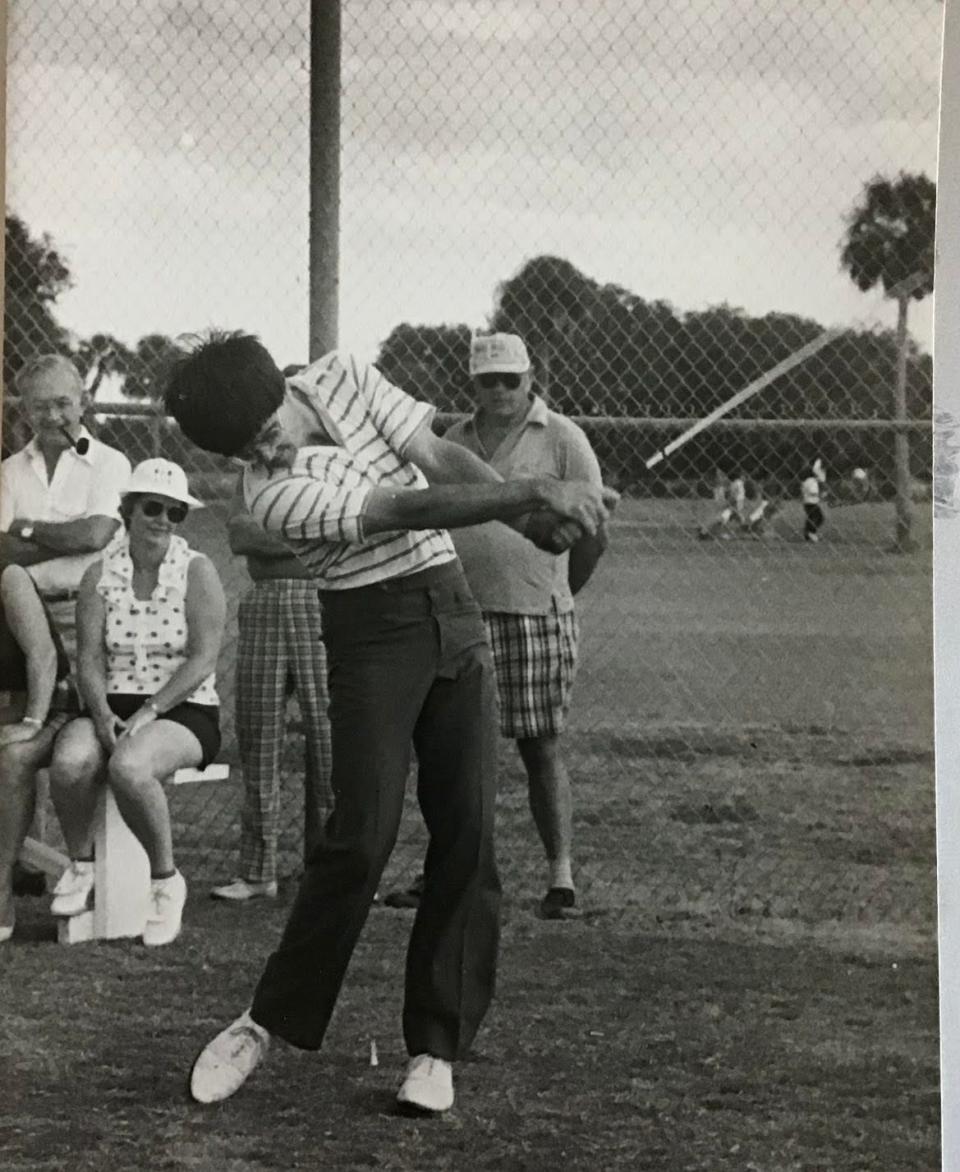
(599, 350)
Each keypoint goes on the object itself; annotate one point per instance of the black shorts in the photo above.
(203, 720)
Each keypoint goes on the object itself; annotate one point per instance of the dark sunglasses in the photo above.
(500, 378)
(175, 513)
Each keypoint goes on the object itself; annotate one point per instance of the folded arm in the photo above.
(52, 539)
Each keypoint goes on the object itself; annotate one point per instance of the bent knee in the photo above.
(128, 770)
(19, 763)
(73, 761)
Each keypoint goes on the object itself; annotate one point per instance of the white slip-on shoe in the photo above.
(167, 897)
(73, 893)
(225, 1064)
(240, 890)
(428, 1086)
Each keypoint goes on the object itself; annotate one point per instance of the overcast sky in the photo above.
(698, 151)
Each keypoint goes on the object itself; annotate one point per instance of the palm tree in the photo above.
(889, 241)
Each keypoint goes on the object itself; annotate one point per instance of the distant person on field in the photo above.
(279, 652)
(59, 495)
(527, 594)
(759, 509)
(812, 490)
(730, 494)
(36, 701)
(150, 621)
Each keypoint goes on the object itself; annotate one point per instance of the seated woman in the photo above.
(150, 618)
(37, 700)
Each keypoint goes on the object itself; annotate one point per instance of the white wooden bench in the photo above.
(121, 868)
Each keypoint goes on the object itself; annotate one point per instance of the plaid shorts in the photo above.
(535, 656)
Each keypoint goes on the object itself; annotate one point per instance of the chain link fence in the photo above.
(666, 203)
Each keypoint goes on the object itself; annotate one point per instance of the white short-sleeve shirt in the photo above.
(82, 486)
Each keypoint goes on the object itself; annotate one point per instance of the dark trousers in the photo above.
(409, 664)
(813, 519)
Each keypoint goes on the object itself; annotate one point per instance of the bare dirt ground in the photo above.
(750, 983)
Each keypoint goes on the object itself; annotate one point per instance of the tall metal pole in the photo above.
(324, 175)
(901, 439)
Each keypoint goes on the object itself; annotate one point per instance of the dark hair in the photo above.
(223, 392)
(128, 502)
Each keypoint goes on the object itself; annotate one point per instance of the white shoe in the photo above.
(6, 932)
(428, 1085)
(167, 897)
(225, 1064)
(73, 893)
(240, 890)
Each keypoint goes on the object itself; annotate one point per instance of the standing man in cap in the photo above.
(526, 593)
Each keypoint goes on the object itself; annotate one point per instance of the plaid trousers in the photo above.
(280, 643)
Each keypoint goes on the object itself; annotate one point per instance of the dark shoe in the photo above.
(26, 881)
(557, 902)
(408, 898)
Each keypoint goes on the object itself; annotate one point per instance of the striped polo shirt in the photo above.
(318, 506)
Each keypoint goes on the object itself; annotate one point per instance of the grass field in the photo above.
(750, 985)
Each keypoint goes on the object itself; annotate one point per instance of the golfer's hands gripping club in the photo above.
(575, 508)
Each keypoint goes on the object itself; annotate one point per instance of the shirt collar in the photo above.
(32, 448)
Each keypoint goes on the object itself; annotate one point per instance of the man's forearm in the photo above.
(57, 538)
(17, 551)
(246, 536)
(451, 506)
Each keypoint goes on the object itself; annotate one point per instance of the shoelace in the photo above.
(159, 896)
(241, 1034)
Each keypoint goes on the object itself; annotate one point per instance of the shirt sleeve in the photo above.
(300, 507)
(7, 504)
(395, 414)
(580, 461)
(109, 481)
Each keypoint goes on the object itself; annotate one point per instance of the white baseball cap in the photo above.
(162, 478)
(500, 353)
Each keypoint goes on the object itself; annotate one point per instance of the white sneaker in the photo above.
(73, 893)
(240, 890)
(167, 897)
(428, 1085)
(225, 1064)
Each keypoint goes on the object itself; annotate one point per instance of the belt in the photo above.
(60, 596)
(418, 580)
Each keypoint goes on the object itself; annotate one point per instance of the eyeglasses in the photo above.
(499, 378)
(175, 513)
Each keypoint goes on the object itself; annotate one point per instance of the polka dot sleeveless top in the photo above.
(146, 641)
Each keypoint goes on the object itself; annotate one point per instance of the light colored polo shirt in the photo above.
(318, 506)
(507, 573)
(810, 491)
(82, 486)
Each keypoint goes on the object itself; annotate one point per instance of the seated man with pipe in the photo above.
(60, 494)
(59, 504)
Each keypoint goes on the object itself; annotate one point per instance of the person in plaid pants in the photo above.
(280, 651)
